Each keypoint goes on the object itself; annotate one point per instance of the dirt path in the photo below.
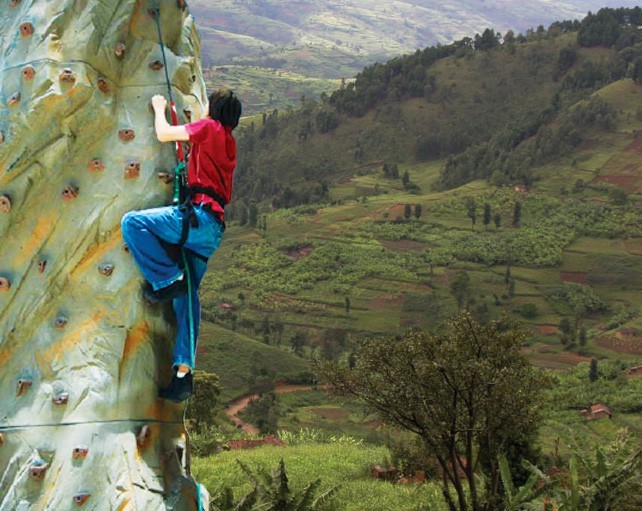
(241, 403)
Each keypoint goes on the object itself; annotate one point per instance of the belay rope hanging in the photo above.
(179, 195)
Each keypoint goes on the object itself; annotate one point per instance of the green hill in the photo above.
(354, 215)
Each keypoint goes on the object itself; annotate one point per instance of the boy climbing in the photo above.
(196, 226)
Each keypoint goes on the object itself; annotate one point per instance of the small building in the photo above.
(597, 412)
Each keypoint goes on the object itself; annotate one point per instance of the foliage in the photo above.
(202, 407)
(468, 394)
(271, 492)
(316, 436)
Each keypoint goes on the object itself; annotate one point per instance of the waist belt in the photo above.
(187, 209)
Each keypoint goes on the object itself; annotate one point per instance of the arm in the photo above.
(164, 131)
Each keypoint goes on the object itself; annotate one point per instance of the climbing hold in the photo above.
(14, 3)
(166, 177)
(28, 73)
(132, 170)
(102, 85)
(156, 65)
(61, 322)
(68, 76)
(143, 436)
(22, 386)
(5, 203)
(42, 266)
(1, 137)
(152, 12)
(181, 4)
(120, 50)
(125, 248)
(5, 285)
(106, 269)
(61, 399)
(80, 452)
(38, 469)
(81, 498)
(96, 165)
(1, 439)
(26, 29)
(127, 135)
(14, 99)
(188, 114)
(70, 192)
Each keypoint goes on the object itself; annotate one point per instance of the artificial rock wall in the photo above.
(81, 354)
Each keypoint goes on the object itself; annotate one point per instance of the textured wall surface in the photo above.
(81, 354)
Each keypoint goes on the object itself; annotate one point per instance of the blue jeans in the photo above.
(144, 231)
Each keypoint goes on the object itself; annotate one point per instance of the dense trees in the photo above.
(468, 394)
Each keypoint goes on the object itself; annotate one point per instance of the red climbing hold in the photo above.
(22, 386)
(14, 3)
(28, 73)
(80, 452)
(156, 65)
(14, 99)
(68, 76)
(26, 29)
(42, 266)
(127, 135)
(61, 399)
(5, 203)
(132, 170)
(70, 192)
(5, 285)
(106, 270)
(120, 50)
(1, 439)
(143, 436)
(38, 469)
(102, 85)
(95, 165)
(61, 322)
(81, 498)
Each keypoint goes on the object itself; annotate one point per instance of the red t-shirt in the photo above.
(212, 160)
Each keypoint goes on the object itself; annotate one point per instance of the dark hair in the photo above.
(225, 107)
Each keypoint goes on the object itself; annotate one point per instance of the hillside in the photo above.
(509, 185)
(334, 39)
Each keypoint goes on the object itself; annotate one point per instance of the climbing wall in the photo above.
(81, 354)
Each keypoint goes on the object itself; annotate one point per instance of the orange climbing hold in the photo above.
(102, 85)
(5, 203)
(14, 99)
(38, 469)
(28, 73)
(120, 50)
(5, 285)
(70, 192)
(132, 170)
(80, 452)
(81, 498)
(96, 165)
(61, 399)
(68, 76)
(26, 29)
(127, 135)
(106, 270)
(22, 386)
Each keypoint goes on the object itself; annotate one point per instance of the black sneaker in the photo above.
(179, 389)
(165, 294)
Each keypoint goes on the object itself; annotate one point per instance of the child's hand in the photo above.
(159, 102)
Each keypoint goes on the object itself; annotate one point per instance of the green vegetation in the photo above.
(337, 464)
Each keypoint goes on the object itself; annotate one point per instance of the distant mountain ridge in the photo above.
(244, 30)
